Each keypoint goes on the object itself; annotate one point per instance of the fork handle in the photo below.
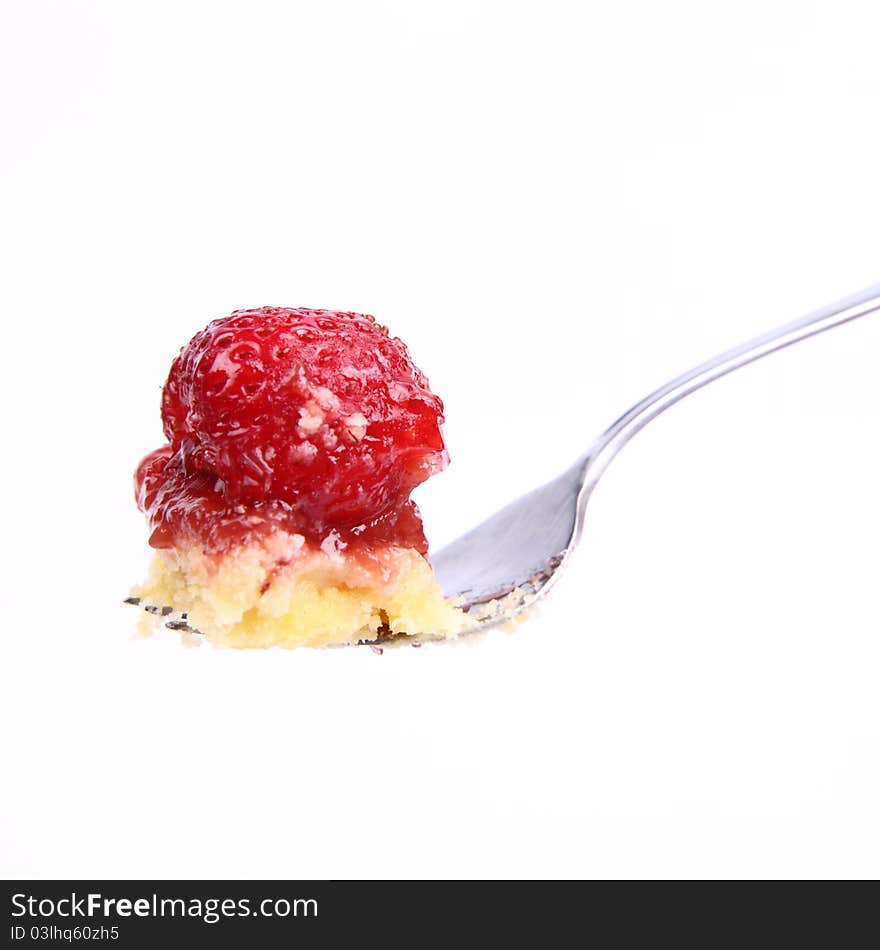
(620, 432)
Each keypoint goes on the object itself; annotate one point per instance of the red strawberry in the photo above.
(316, 413)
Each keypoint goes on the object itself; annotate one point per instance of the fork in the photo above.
(510, 561)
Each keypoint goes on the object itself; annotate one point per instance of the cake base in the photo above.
(282, 591)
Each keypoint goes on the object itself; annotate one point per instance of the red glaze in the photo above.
(307, 420)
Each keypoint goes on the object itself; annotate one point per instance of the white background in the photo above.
(558, 207)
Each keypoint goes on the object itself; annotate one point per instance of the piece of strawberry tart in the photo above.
(280, 508)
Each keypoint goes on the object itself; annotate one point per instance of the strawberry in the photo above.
(312, 417)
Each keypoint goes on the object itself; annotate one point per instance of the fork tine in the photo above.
(179, 622)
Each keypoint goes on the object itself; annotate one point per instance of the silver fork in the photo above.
(510, 561)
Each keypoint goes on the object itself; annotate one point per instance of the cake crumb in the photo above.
(311, 418)
(356, 424)
(327, 399)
